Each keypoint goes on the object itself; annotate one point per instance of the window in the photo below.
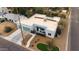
(49, 34)
(26, 29)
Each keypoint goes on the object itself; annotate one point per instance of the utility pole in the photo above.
(20, 23)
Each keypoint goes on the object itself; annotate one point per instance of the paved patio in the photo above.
(26, 38)
(6, 45)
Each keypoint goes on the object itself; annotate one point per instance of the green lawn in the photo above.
(44, 47)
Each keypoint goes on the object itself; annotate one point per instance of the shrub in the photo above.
(8, 29)
(55, 48)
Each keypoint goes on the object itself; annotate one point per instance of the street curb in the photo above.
(69, 22)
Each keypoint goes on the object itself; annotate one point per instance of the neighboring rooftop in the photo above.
(14, 16)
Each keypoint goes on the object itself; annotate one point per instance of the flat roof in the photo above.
(14, 16)
(41, 20)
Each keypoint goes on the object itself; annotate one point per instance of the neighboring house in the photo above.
(1, 15)
(5, 10)
(40, 24)
(6, 13)
(11, 17)
(14, 17)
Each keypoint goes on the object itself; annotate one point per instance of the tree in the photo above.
(29, 12)
(62, 23)
(58, 31)
(8, 29)
(51, 46)
(61, 26)
(39, 10)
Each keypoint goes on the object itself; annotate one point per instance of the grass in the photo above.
(44, 47)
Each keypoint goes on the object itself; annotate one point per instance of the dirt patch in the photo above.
(7, 24)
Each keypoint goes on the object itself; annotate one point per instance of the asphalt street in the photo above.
(9, 46)
(74, 30)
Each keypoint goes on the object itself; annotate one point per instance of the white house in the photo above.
(11, 17)
(40, 24)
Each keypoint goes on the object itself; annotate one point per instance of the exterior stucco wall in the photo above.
(51, 32)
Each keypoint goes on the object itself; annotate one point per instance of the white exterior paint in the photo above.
(46, 30)
(51, 25)
(38, 20)
(52, 33)
(57, 19)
